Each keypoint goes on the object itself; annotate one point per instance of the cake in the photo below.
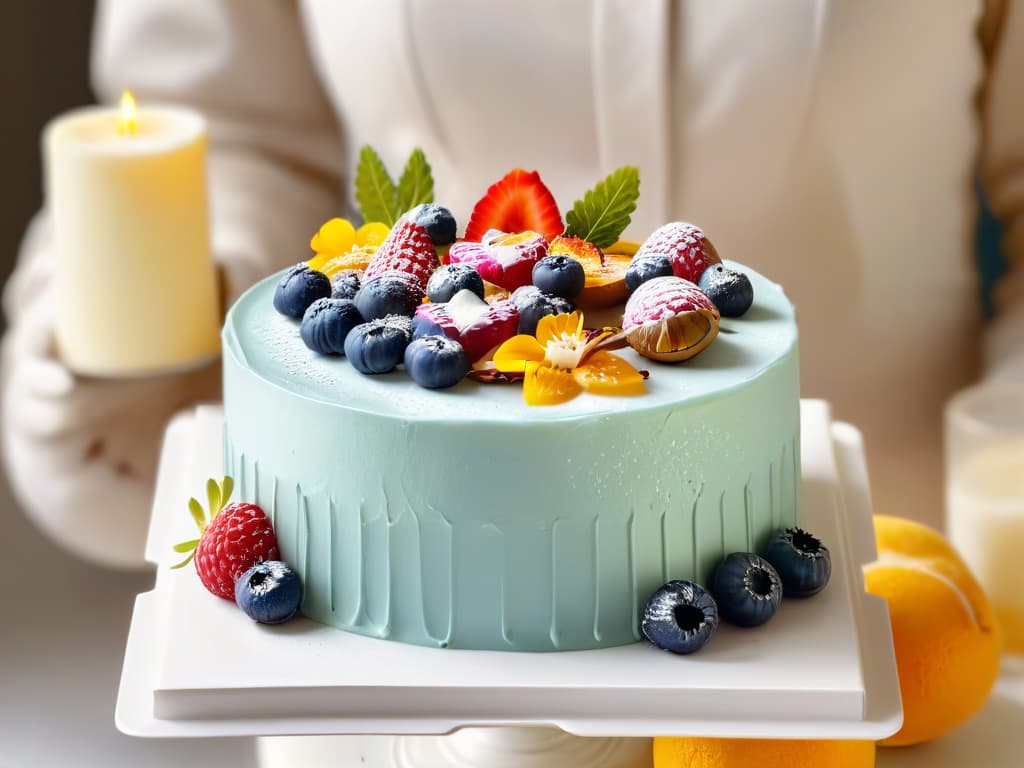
(465, 517)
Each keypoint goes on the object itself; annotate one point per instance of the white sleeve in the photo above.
(1002, 172)
(81, 452)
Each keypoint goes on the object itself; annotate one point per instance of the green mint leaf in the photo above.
(196, 509)
(375, 191)
(227, 485)
(186, 546)
(417, 182)
(603, 213)
(184, 562)
(213, 497)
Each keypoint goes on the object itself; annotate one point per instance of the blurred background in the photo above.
(63, 628)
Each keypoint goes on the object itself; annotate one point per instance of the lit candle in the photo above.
(136, 288)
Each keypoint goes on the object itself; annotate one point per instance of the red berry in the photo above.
(684, 245)
(407, 248)
(519, 202)
(238, 537)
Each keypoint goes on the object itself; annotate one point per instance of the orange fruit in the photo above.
(605, 274)
(357, 258)
(945, 635)
(673, 752)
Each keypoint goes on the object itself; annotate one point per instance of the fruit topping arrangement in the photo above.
(378, 293)
(746, 590)
(236, 557)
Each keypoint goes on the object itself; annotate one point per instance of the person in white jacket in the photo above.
(832, 145)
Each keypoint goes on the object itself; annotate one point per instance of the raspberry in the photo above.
(235, 538)
(685, 246)
(239, 537)
(407, 248)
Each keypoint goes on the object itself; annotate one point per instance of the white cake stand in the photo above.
(196, 666)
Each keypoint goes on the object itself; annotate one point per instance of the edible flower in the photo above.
(339, 245)
(563, 360)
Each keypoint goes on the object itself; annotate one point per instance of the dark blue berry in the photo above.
(747, 589)
(645, 268)
(680, 617)
(437, 220)
(533, 304)
(730, 291)
(436, 362)
(299, 287)
(559, 275)
(270, 592)
(449, 279)
(393, 293)
(803, 562)
(378, 346)
(345, 284)
(326, 324)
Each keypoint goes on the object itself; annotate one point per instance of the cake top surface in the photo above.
(268, 344)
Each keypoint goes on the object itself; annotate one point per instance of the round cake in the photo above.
(466, 518)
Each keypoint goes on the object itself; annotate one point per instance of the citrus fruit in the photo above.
(673, 752)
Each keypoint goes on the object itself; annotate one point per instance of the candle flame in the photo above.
(127, 122)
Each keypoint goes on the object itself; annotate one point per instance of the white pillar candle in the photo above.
(136, 289)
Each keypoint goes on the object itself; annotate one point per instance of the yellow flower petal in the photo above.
(512, 355)
(545, 385)
(553, 326)
(335, 237)
(372, 233)
(606, 374)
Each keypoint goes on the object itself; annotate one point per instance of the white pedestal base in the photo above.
(535, 747)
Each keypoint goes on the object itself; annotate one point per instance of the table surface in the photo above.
(60, 667)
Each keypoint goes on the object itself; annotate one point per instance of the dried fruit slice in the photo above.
(517, 202)
(358, 258)
(603, 373)
(545, 385)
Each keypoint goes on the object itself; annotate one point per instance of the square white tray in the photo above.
(823, 667)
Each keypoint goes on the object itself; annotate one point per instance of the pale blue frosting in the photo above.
(465, 518)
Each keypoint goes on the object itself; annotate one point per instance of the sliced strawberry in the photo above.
(506, 261)
(478, 326)
(517, 203)
(407, 248)
(685, 246)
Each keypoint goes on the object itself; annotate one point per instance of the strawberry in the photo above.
(507, 260)
(235, 538)
(478, 326)
(407, 248)
(516, 203)
(685, 246)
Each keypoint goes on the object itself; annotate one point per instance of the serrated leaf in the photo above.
(186, 546)
(604, 212)
(416, 185)
(227, 485)
(375, 191)
(196, 509)
(213, 497)
(184, 562)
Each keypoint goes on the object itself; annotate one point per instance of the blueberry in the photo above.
(392, 293)
(437, 220)
(436, 362)
(269, 592)
(747, 589)
(645, 268)
(345, 284)
(559, 275)
(378, 346)
(728, 289)
(449, 279)
(680, 617)
(533, 304)
(299, 287)
(803, 562)
(326, 324)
